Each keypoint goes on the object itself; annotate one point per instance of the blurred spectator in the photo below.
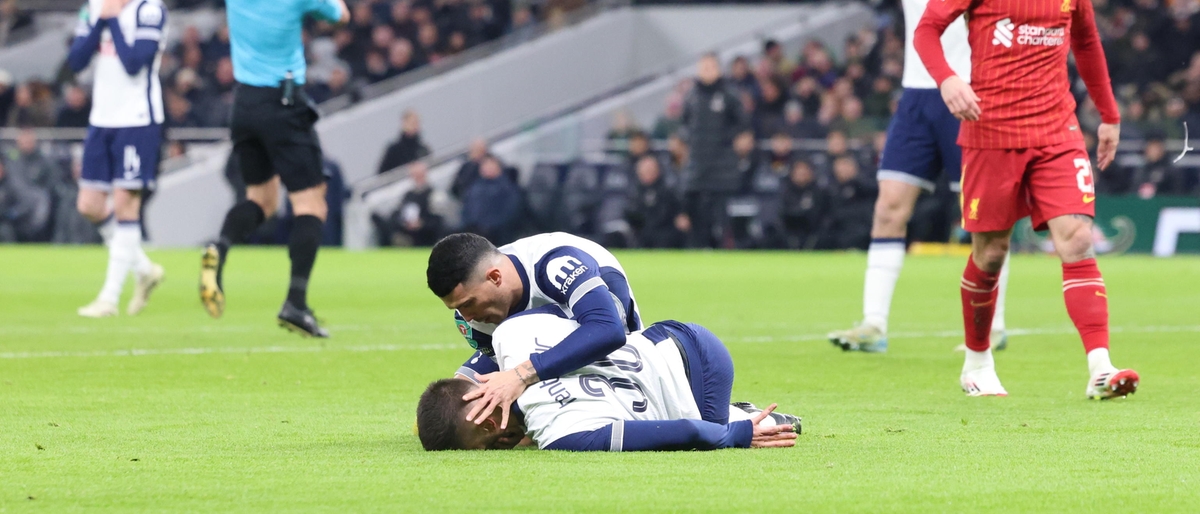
(712, 118)
(796, 125)
(779, 159)
(492, 203)
(1157, 176)
(852, 123)
(748, 157)
(7, 94)
(622, 127)
(852, 207)
(337, 84)
(769, 108)
(639, 146)
(33, 106)
(413, 223)
(780, 64)
(468, 173)
(179, 111)
(668, 124)
(805, 208)
(75, 110)
(34, 168)
(24, 209)
(400, 58)
(655, 213)
(740, 76)
(408, 147)
(70, 227)
(675, 165)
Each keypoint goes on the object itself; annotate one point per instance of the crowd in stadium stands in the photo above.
(751, 177)
(762, 190)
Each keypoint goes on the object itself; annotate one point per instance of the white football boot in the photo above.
(1113, 383)
(144, 285)
(98, 309)
(982, 382)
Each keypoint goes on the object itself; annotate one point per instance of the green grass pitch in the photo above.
(174, 411)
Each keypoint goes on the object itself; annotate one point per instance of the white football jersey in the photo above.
(118, 98)
(639, 381)
(954, 41)
(557, 272)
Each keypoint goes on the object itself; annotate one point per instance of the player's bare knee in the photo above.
(92, 205)
(127, 205)
(1072, 236)
(989, 251)
(1075, 246)
(266, 196)
(310, 202)
(891, 216)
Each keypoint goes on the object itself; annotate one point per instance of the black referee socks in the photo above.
(241, 221)
(302, 249)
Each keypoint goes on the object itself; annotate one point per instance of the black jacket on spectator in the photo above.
(712, 117)
(651, 214)
(850, 215)
(405, 150)
(74, 118)
(490, 209)
(1162, 176)
(804, 214)
(413, 218)
(24, 209)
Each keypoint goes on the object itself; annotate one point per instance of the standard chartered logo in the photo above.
(1004, 33)
(1007, 33)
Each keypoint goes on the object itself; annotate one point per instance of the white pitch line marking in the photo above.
(142, 352)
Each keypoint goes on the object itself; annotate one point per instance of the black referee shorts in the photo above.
(271, 139)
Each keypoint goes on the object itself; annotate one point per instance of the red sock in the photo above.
(979, 305)
(1087, 302)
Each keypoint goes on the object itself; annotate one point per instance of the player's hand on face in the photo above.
(960, 99)
(111, 8)
(499, 389)
(777, 436)
(1107, 137)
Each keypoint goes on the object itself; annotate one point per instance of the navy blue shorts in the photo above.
(922, 142)
(709, 366)
(124, 158)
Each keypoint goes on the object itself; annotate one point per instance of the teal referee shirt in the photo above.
(265, 37)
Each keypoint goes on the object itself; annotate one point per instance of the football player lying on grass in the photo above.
(668, 388)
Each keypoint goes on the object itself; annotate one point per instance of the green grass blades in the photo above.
(174, 411)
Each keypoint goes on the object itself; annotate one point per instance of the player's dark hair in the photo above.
(453, 259)
(439, 414)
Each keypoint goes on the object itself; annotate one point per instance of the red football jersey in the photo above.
(1019, 67)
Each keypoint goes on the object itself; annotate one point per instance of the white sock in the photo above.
(106, 228)
(736, 414)
(1098, 361)
(142, 263)
(998, 319)
(122, 256)
(885, 257)
(978, 360)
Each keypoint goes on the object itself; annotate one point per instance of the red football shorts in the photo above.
(1001, 186)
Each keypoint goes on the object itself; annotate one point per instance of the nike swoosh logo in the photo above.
(1098, 293)
(984, 304)
(1088, 199)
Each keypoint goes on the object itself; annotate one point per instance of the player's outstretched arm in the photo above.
(679, 434)
(1093, 69)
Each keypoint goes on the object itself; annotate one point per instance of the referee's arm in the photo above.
(331, 10)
